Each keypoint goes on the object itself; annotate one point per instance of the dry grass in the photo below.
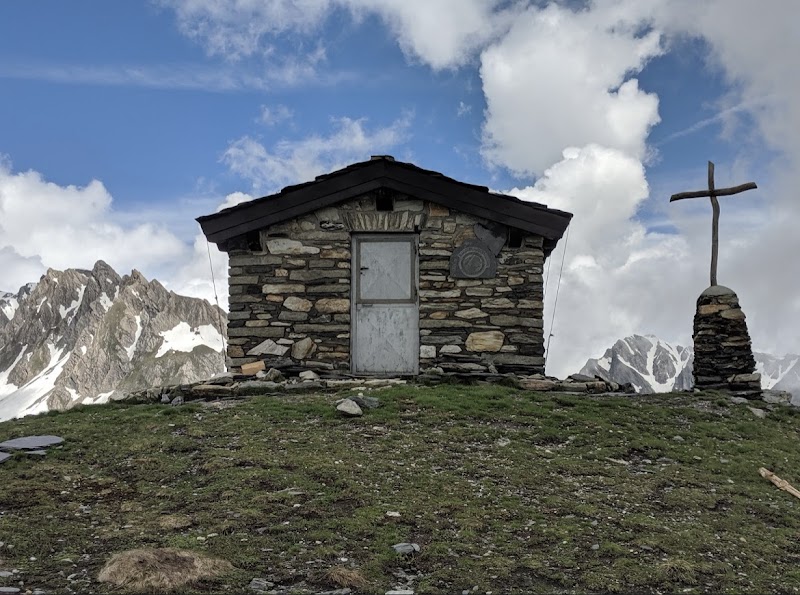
(678, 570)
(174, 521)
(342, 577)
(160, 569)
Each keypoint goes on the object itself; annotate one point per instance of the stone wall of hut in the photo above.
(291, 298)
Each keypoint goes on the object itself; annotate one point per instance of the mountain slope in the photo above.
(81, 336)
(652, 365)
(649, 364)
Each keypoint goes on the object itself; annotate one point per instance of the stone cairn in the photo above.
(723, 357)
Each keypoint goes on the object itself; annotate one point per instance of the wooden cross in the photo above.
(713, 193)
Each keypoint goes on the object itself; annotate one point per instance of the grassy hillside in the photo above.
(504, 490)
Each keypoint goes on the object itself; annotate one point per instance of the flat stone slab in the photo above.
(31, 442)
(718, 290)
(406, 548)
(4, 456)
(473, 260)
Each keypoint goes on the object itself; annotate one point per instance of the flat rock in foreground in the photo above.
(31, 442)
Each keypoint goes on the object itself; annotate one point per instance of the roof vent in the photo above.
(378, 157)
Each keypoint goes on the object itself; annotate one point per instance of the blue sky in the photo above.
(173, 107)
(74, 108)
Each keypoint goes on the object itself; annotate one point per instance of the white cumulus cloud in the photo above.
(43, 224)
(561, 78)
(293, 161)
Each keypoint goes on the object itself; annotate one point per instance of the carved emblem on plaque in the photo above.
(473, 260)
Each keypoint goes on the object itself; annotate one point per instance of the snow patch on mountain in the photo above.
(6, 388)
(102, 398)
(130, 350)
(73, 307)
(779, 373)
(8, 305)
(185, 338)
(31, 397)
(105, 302)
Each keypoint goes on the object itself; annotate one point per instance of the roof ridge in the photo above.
(384, 171)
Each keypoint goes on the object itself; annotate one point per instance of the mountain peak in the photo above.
(101, 267)
(138, 277)
(83, 336)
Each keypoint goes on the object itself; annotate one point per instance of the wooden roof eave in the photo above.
(333, 189)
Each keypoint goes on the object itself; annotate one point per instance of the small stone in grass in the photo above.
(366, 402)
(406, 548)
(596, 547)
(260, 584)
(349, 407)
(308, 375)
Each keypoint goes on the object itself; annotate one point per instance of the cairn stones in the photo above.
(723, 356)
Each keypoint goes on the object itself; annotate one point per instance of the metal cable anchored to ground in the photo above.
(216, 299)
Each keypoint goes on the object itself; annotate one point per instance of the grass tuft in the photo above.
(160, 570)
(342, 577)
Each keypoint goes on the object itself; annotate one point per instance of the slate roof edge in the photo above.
(382, 165)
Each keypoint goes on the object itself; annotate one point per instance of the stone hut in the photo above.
(386, 268)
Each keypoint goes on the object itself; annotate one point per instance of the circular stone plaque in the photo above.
(473, 260)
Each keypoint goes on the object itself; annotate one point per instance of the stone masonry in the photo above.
(723, 357)
(291, 298)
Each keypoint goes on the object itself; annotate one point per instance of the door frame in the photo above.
(355, 285)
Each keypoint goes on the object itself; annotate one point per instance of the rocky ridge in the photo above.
(87, 336)
(652, 365)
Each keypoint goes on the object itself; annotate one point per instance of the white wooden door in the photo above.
(385, 317)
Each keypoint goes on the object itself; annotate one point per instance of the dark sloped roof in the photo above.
(384, 172)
